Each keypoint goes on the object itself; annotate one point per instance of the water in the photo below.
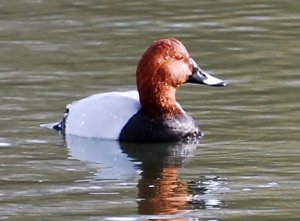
(245, 168)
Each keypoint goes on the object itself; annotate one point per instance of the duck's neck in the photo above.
(160, 102)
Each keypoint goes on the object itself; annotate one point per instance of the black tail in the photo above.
(58, 126)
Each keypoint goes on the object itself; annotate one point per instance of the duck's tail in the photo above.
(58, 126)
(51, 125)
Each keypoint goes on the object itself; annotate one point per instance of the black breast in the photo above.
(142, 128)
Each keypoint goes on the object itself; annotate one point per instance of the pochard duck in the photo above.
(150, 114)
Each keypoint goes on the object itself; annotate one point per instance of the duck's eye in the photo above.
(178, 57)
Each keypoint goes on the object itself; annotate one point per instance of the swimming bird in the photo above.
(148, 114)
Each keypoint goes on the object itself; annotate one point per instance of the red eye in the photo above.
(178, 57)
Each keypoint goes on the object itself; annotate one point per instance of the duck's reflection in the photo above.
(160, 191)
(114, 164)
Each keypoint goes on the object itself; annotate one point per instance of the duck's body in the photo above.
(150, 114)
(142, 128)
(123, 118)
(102, 115)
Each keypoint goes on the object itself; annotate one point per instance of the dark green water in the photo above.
(245, 168)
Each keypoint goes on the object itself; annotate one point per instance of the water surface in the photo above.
(246, 166)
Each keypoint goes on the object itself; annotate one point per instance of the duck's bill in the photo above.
(201, 77)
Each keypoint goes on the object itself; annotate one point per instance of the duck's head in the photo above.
(165, 66)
